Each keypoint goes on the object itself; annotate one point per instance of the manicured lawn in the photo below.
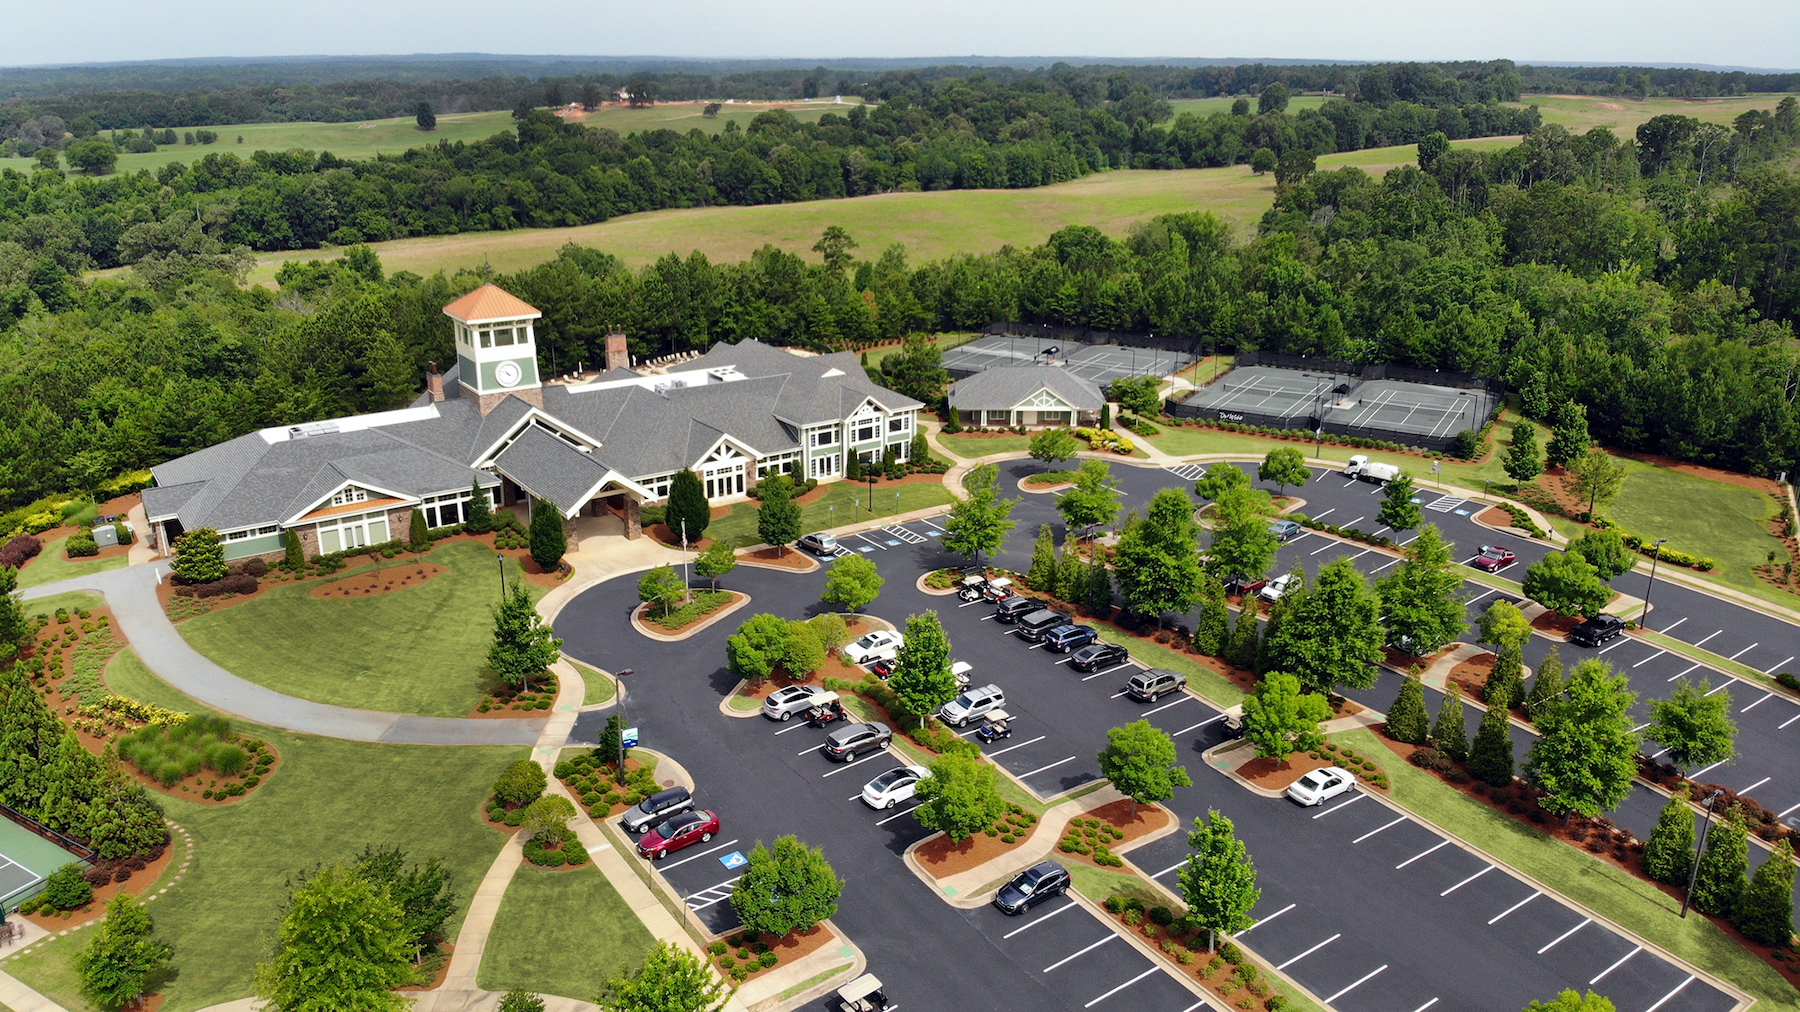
(72, 600)
(966, 445)
(52, 565)
(561, 932)
(1608, 891)
(1202, 679)
(599, 687)
(1726, 522)
(126, 675)
(419, 650)
(843, 503)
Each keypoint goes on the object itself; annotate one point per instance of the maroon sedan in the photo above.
(1493, 558)
(678, 831)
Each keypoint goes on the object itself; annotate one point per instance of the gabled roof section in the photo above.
(490, 302)
(819, 388)
(551, 469)
(162, 502)
(1006, 387)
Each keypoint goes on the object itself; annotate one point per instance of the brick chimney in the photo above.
(434, 381)
(617, 356)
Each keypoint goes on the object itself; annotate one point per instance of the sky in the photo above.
(1751, 33)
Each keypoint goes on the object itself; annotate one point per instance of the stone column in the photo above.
(634, 526)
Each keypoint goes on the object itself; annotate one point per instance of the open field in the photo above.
(1579, 113)
(1209, 106)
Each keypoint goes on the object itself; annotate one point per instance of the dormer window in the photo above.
(349, 495)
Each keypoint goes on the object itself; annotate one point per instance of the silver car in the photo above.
(971, 704)
(782, 704)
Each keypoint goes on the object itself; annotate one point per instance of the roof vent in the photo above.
(312, 429)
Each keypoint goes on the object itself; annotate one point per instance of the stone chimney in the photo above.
(434, 381)
(617, 356)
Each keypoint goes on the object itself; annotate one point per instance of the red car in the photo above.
(1493, 558)
(678, 831)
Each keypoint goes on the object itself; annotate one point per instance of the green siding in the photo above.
(254, 546)
(527, 367)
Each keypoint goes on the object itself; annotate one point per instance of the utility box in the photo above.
(106, 536)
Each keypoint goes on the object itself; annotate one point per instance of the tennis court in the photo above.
(1411, 408)
(26, 860)
(1101, 363)
(1263, 392)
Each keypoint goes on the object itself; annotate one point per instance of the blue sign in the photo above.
(933, 534)
(735, 859)
(867, 549)
(629, 738)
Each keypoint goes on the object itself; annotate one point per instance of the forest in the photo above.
(1649, 278)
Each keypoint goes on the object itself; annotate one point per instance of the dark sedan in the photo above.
(1493, 558)
(1096, 656)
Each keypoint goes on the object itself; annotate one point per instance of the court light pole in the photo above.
(1655, 554)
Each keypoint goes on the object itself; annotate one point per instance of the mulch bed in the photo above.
(187, 788)
(1551, 622)
(1473, 674)
(791, 558)
(1279, 774)
(791, 947)
(380, 580)
(941, 859)
(1494, 516)
(1406, 662)
(438, 976)
(165, 593)
(503, 701)
(834, 667)
(138, 884)
(642, 614)
(664, 534)
(1117, 814)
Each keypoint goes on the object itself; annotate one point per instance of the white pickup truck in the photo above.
(1361, 466)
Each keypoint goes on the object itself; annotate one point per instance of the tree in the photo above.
(1605, 551)
(15, 628)
(609, 741)
(979, 523)
(1332, 634)
(760, 644)
(916, 370)
(1722, 877)
(94, 156)
(550, 812)
(1140, 395)
(1043, 562)
(1212, 630)
(1523, 460)
(1274, 98)
(1139, 760)
(1157, 563)
(521, 1001)
(341, 947)
(1598, 478)
(922, 680)
(1097, 589)
(789, 889)
(1693, 726)
(1218, 881)
(1280, 720)
(1567, 584)
(1406, 719)
(1242, 543)
(1569, 435)
(1422, 597)
(423, 891)
(687, 502)
(1547, 687)
(1245, 641)
(662, 587)
(480, 516)
(716, 561)
(549, 540)
(1091, 501)
(521, 783)
(1293, 165)
(1506, 682)
(49, 158)
(1263, 160)
(1669, 853)
(960, 798)
(1398, 511)
(1450, 732)
(1284, 465)
(670, 979)
(1765, 913)
(200, 556)
(919, 454)
(122, 961)
(1219, 479)
(1432, 147)
(803, 653)
(522, 648)
(852, 582)
(293, 553)
(831, 630)
(1587, 755)
(423, 115)
(1570, 1001)
(834, 248)
(1491, 757)
(1053, 446)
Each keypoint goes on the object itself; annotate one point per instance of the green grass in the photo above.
(419, 650)
(1588, 881)
(1202, 679)
(561, 933)
(1580, 113)
(52, 565)
(127, 676)
(69, 599)
(701, 603)
(843, 503)
(1098, 884)
(599, 687)
(972, 445)
(1700, 517)
(944, 342)
(817, 978)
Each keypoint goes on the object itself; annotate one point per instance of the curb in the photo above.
(933, 591)
(740, 599)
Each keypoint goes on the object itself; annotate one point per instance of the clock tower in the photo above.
(496, 347)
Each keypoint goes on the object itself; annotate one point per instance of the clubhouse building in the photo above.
(594, 448)
(1030, 395)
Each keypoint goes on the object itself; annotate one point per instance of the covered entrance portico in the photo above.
(576, 484)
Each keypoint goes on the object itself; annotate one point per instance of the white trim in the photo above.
(485, 459)
(744, 449)
(300, 517)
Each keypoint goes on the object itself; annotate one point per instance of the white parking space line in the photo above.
(1790, 720)
(1634, 951)
(1358, 520)
(1783, 815)
(1393, 563)
(1664, 999)
(1585, 921)
(1109, 937)
(894, 816)
(1683, 673)
(1466, 881)
(1041, 919)
(872, 541)
(685, 860)
(1726, 684)
(1754, 786)
(1009, 748)
(1710, 635)
(710, 889)
(1759, 702)
(1339, 808)
(1196, 727)
(1640, 727)
(1264, 920)
(1321, 516)
(815, 748)
(1185, 698)
(1065, 660)
(1650, 658)
(1675, 623)
(1615, 646)
(1472, 600)
(1108, 671)
(1171, 868)
(1696, 773)
(1121, 987)
(1515, 906)
(1771, 668)
(1295, 959)
(1328, 546)
(1372, 832)
(796, 727)
(1117, 694)
(1744, 651)
(1425, 1006)
(1440, 845)
(1041, 769)
(1196, 1005)
(1365, 979)
(878, 754)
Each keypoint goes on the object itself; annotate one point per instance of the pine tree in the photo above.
(479, 518)
(549, 541)
(1507, 681)
(1722, 878)
(1546, 687)
(1071, 575)
(200, 556)
(1766, 912)
(1491, 757)
(778, 519)
(1669, 853)
(417, 535)
(1105, 416)
(1523, 460)
(1450, 734)
(523, 647)
(296, 554)
(1406, 719)
(1245, 639)
(687, 502)
(1098, 590)
(1213, 630)
(1043, 562)
(117, 966)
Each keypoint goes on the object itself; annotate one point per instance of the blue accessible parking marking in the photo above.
(1460, 513)
(735, 859)
(893, 541)
(933, 534)
(866, 549)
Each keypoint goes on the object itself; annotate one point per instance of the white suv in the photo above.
(971, 704)
(782, 704)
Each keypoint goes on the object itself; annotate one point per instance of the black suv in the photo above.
(1011, 609)
(657, 807)
(1597, 630)
(1095, 656)
(844, 743)
(1031, 887)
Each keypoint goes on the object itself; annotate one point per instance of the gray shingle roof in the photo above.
(1005, 387)
(550, 468)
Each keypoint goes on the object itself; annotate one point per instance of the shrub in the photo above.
(515, 818)
(521, 784)
(1230, 953)
(1162, 915)
(67, 888)
(1115, 904)
(768, 959)
(226, 759)
(81, 545)
(1151, 931)
(1276, 1003)
(1134, 917)
(1786, 678)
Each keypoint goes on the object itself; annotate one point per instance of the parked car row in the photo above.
(668, 821)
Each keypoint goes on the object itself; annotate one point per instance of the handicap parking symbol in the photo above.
(735, 859)
(1460, 513)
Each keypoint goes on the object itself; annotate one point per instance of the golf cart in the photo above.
(998, 589)
(998, 726)
(827, 709)
(863, 994)
(971, 586)
(1234, 723)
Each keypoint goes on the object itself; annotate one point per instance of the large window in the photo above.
(825, 437)
(825, 467)
(999, 418)
(1053, 417)
(251, 532)
(865, 432)
(343, 533)
(897, 424)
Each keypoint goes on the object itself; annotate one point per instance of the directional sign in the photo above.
(735, 859)
(629, 738)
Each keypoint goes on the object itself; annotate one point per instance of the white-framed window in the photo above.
(1053, 417)
(354, 531)
(658, 485)
(349, 495)
(999, 418)
(864, 433)
(825, 437)
(448, 508)
(825, 467)
(252, 532)
(898, 423)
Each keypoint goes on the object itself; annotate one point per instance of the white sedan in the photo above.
(1276, 587)
(1320, 786)
(875, 645)
(894, 786)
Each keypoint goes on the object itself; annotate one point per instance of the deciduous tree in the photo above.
(778, 516)
(1669, 853)
(1694, 726)
(1524, 460)
(1398, 511)
(1284, 465)
(1138, 394)
(424, 117)
(791, 888)
(1091, 501)
(1139, 760)
(1280, 720)
(1406, 719)
(1424, 608)
(916, 370)
(716, 561)
(757, 648)
(1572, 1001)
(1597, 478)
(803, 654)
(1157, 563)
(1218, 881)
(341, 947)
(1605, 551)
(1219, 479)
(523, 647)
(960, 798)
(1567, 584)
(1332, 635)
(1242, 543)
(852, 582)
(922, 680)
(521, 1001)
(979, 524)
(1053, 446)
(831, 630)
(123, 960)
(662, 587)
(670, 979)
(1586, 758)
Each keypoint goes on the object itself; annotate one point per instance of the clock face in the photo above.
(507, 373)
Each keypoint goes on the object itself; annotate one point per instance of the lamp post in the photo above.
(871, 494)
(1655, 554)
(1694, 872)
(684, 556)
(624, 721)
(501, 559)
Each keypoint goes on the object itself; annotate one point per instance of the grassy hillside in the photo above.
(1581, 112)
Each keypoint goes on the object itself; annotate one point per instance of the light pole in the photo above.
(501, 559)
(685, 578)
(871, 495)
(1694, 872)
(1655, 554)
(624, 721)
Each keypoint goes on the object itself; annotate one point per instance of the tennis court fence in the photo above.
(67, 843)
(1190, 346)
